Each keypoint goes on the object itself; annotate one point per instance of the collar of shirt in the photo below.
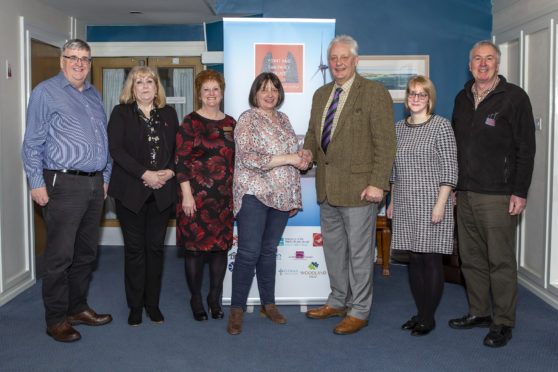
(65, 82)
(346, 87)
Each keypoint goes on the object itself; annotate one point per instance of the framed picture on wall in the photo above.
(393, 72)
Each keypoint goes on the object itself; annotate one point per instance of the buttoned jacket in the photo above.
(129, 149)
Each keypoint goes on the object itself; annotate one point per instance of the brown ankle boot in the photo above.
(235, 321)
(270, 311)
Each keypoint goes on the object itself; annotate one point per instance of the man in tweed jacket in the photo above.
(351, 178)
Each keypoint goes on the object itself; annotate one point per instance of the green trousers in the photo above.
(486, 234)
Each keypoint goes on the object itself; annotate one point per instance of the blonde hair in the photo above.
(127, 94)
(428, 86)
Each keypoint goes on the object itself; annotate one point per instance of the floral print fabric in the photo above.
(152, 125)
(205, 157)
(257, 139)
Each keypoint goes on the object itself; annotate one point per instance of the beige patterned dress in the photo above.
(426, 158)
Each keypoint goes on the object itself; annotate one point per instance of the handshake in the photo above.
(302, 160)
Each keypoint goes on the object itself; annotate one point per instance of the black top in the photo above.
(495, 142)
(129, 147)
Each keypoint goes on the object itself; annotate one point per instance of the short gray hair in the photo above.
(76, 44)
(347, 40)
(485, 43)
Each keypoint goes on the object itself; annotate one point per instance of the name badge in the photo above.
(227, 129)
(491, 120)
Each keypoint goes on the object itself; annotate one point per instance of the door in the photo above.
(176, 75)
(45, 63)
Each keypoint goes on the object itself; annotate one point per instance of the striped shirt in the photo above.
(342, 98)
(66, 129)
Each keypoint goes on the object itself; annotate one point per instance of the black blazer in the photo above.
(128, 146)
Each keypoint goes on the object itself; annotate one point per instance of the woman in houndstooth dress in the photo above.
(423, 175)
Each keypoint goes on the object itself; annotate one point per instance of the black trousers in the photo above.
(144, 238)
(72, 218)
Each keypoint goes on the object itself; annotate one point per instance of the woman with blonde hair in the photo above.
(423, 175)
(141, 135)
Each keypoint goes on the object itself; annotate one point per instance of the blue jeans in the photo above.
(259, 231)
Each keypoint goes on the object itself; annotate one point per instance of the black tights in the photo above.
(426, 276)
(193, 266)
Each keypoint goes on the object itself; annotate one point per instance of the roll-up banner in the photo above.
(296, 51)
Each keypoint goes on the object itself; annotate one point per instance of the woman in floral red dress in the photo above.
(204, 171)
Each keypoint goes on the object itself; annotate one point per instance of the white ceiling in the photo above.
(155, 12)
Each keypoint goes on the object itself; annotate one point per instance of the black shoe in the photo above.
(498, 336)
(422, 329)
(214, 308)
(197, 309)
(134, 319)
(216, 312)
(410, 324)
(200, 316)
(470, 321)
(154, 313)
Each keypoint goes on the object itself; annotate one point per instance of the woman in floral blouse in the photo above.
(204, 171)
(266, 193)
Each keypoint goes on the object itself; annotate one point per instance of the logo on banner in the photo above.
(288, 272)
(284, 60)
(295, 242)
(232, 255)
(279, 256)
(235, 241)
(317, 240)
(231, 266)
(313, 272)
(281, 242)
(301, 255)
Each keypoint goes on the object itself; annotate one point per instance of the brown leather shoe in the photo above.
(325, 312)
(270, 311)
(350, 325)
(235, 321)
(63, 332)
(89, 317)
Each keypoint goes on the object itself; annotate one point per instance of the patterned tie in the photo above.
(328, 123)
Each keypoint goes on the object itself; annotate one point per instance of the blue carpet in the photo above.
(182, 344)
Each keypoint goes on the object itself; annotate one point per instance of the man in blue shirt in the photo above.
(66, 159)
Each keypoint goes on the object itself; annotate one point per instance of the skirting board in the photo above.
(23, 282)
(539, 292)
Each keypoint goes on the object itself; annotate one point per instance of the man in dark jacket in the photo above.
(495, 134)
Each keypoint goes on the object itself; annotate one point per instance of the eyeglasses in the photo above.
(74, 60)
(272, 90)
(421, 96)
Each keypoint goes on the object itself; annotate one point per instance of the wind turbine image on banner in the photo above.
(323, 68)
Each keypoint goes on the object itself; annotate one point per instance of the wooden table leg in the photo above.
(386, 242)
(383, 242)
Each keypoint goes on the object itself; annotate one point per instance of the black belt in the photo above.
(76, 172)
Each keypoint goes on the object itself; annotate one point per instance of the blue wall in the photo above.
(443, 29)
(145, 33)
